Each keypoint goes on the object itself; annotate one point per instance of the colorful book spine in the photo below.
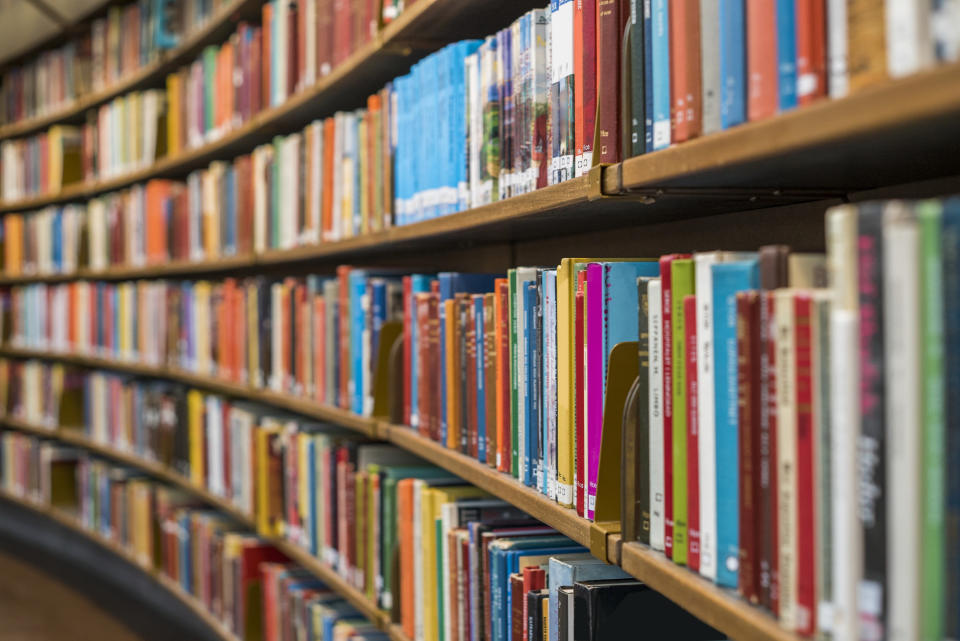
(660, 81)
(693, 433)
(786, 54)
(682, 285)
(733, 82)
(656, 396)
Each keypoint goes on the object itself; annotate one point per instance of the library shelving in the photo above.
(717, 607)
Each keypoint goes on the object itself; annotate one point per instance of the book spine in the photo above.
(706, 413)
(580, 387)
(609, 36)
(641, 440)
(585, 78)
(866, 43)
(710, 73)
(837, 77)
(811, 51)
(693, 460)
(761, 59)
(685, 69)
(951, 300)
(648, 75)
(871, 454)
(682, 284)
(655, 402)
(733, 83)
(805, 469)
(933, 461)
(566, 379)
(515, 328)
(768, 557)
(747, 375)
(786, 54)
(637, 67)
(595, 324)
(660, 81)
(504, 376)
(786, 457)
(666, 315)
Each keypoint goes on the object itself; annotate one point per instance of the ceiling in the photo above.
(25, 23)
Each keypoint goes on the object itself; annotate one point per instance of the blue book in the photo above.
(419, 284)
(479, 328)
(951, 326)
(621, 306)
(311, 472)
(378, 309)
(455, 283)
(516, 560)
(787, 54)
(733, 63)
(728, 279)
(660, 81)
(186, 578)
(357, 289)
(57, 233)
(532, 367)
(334, 612)
(567, 570)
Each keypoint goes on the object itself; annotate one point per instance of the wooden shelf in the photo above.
(297, 554)
(720, 608)
(367, 70)
(894, 133)
(215, 29)
(70, 522)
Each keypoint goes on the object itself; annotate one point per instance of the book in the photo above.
(656, 398)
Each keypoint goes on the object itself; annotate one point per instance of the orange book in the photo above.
(319, 349)
(157, 194)
(329, 136)
(761, 59)
(405, 518)
(685, 112)
(266, 55)
(301, 339)
(13, 244)
(866, 42)
(811, 51)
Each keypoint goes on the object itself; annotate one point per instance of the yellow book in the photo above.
(452, 371)
(173, 114)
(13, 244)
(195, 416)
(201, 301)
(266, 502)
(209, 199)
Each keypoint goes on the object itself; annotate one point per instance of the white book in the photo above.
(259, 200)
(787, 530)
(315, 197)
(290, 191)
(710, 90)
(706, 423)
(561, 71)
(308, 75)
(214, 428)
(418, 596)
(901, 344)
(474, 123)
(908, 43)
(656, 414)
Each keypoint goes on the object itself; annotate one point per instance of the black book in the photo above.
(871, 464)
(565, 613)
(612, 609)
(535, 601)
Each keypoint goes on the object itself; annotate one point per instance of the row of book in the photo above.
(508, 369)
(110, 49)
(244, 582)
(445, 559)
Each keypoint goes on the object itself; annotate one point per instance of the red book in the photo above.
(579, 338)
(667, 347)
(267, 54)
(517, 598)
(320, 349)
(227, 461)
(431, 364)
(584, 81)
(761, 59)
(326, 211)
(806, 502)
(471, 400)
(748, 408)
(504, 435)
(292, 50)
(408, 319)
(301, 44)
(534, 578)
(811, 51)
(693, 435)
(422, 306)
(685, 112)
(609, 37)
(325, 38)
(255, 66)
(770, 505)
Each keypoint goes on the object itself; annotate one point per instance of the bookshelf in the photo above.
(894, 133)
(720, 608)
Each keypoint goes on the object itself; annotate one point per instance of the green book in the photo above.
(210, 86)
(681, 285)
(933, 422)
(514, 383)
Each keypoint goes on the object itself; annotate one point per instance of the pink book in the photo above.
(595, 375)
